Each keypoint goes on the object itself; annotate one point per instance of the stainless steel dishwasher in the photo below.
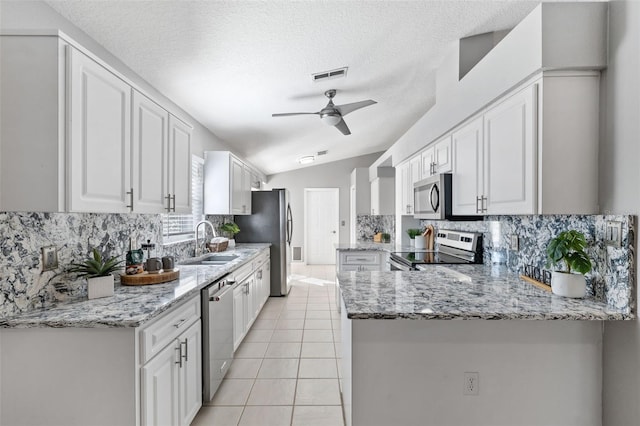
(217, 334)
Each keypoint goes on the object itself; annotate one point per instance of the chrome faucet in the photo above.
(199, 249)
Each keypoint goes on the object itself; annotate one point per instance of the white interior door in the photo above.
(321, 219)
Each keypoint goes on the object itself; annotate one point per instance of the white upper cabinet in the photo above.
(436, 158)
(494, 157)
(382, 196)
(150, 149)
(179, 166)
(99, 142)
(82, 139)
(227, 184)
(509, 155)
(467, 158)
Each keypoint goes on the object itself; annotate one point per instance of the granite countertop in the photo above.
(132, 306)
(461, 292)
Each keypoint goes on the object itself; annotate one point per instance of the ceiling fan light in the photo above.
(331, 119)
(306, 159)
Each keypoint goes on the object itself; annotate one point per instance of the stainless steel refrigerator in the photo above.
(271, 222)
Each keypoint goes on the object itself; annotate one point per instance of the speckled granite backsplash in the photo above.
(368, 225)
(612, 279)
(24, 287)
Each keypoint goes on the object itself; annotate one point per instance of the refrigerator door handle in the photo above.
(289, 225)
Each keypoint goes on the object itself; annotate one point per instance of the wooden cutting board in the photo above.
(146, 278)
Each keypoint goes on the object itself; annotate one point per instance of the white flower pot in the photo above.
(412, 242)
(100, 286)
(568, 285)
(232, 243)
(421, 242)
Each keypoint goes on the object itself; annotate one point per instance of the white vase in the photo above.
(100, 286)
(421, 242)
(412, 242)
(568, 285)
(232, 243)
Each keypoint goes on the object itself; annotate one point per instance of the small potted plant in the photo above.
(568, 249)
(99, 273)
(413, 233)
(230, 229)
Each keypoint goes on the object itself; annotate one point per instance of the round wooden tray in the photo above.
(146, 278)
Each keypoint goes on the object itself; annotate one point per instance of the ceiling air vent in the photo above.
(319, 153)
(327, 75)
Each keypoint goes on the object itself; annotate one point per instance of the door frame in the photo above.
(306, 194)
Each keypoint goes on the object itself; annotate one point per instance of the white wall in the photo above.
(619, 193)
(330, 175)
(39, 16)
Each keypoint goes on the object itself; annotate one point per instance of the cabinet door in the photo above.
(190, 373)
(510, 155)
(442, 155)
(266, 280)
(415, 175)
(427, 159)
(375, 196)
(179, 165)
(149, 156)
(238, 315)
(467, 172)
(246, 190)
(405, 206)
(160, 387)
(99, 145)
(237, 171)
(249, 288)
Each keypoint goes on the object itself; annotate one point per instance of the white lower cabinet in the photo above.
(172, 380)
(249, 296)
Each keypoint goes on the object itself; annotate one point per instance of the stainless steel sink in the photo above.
(211, 259)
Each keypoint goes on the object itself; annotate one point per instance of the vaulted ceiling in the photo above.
(231, 64)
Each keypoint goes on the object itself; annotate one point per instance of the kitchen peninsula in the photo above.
(400, 369)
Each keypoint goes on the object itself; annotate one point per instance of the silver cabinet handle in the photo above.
(179, 323)
(168, 198)
(186, 349)
(173, 198)
(483, 205)
(478, 209)
(130, 194)
(179, 361)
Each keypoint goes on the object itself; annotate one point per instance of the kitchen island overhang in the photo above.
(540, 363)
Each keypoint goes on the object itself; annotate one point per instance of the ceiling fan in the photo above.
(332, 114)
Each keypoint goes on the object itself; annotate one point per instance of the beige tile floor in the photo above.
(286, 370)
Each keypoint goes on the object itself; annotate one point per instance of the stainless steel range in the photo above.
(454, 247)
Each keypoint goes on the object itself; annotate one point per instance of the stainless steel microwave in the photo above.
(433, 199)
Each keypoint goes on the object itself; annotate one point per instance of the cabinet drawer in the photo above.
(359, 258)
(168, 327)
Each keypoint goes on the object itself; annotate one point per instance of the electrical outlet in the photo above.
(49, 258)
(613, 233)
(515, 245)
(471, 383)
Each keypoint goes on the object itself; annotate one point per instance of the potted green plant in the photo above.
(230, 229)
(99, 273)
(413, 233)
(568, 249)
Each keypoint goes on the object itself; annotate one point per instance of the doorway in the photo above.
(321, 225)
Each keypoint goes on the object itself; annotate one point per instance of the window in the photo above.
(179, 227)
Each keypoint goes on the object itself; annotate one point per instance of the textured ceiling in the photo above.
(230, 64)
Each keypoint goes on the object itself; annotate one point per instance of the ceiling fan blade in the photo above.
(342, 126)
(347, 108)
(286, 114)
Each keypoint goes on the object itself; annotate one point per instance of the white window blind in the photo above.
(180, 226)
